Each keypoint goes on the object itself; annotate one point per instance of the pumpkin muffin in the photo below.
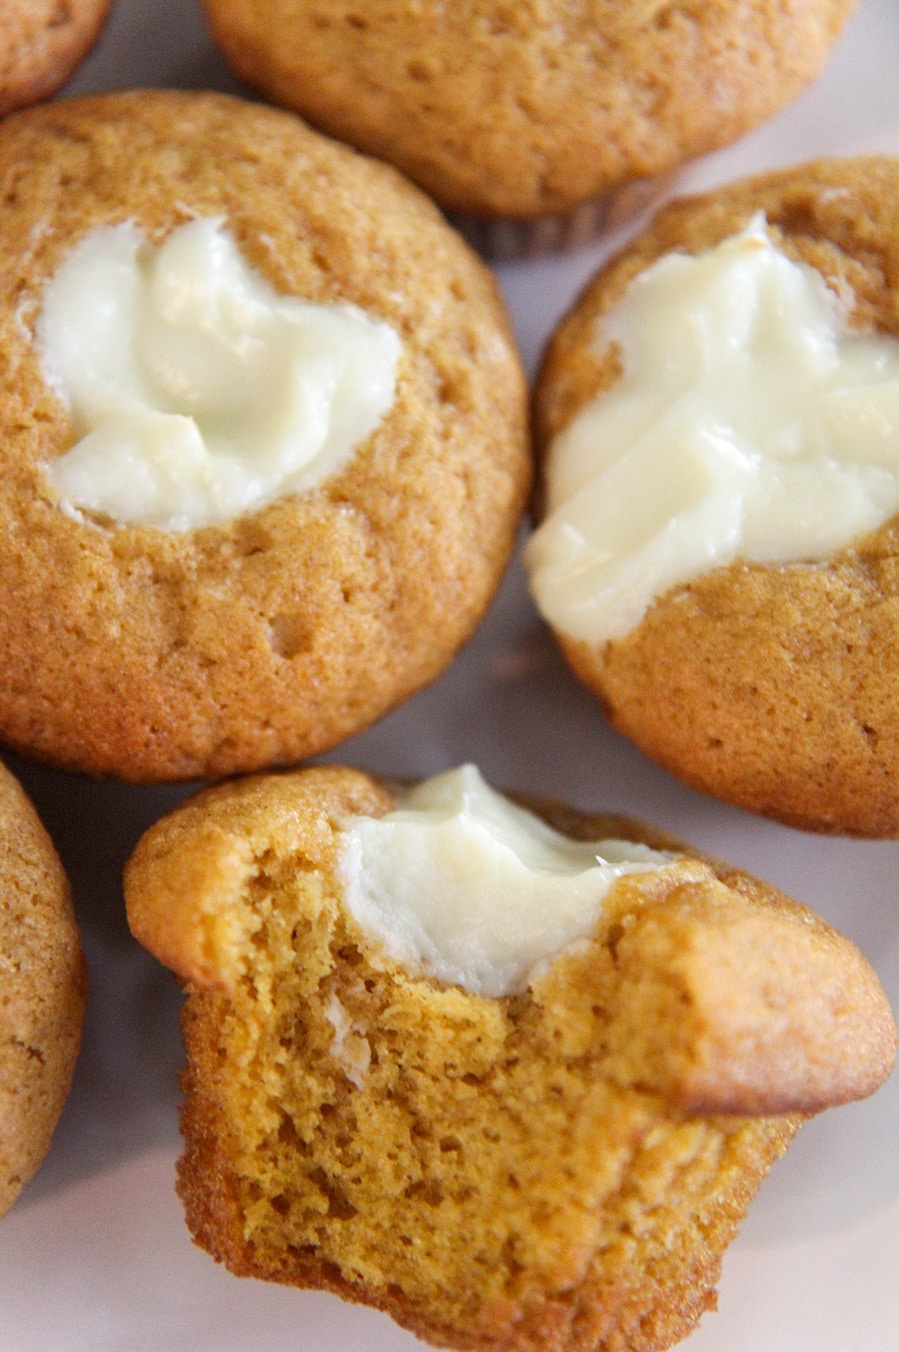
(41, 44)
(167, 610)
(42, 990)
(762, 675)
(555, 1165)
(523, 109)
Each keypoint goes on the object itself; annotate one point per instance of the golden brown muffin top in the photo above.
(768, 686)
(719, 937)
(153, 654)
(42, 989)
(41, 43)
(529, 107)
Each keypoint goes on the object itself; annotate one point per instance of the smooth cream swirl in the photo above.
(196, 391)
(747, 423)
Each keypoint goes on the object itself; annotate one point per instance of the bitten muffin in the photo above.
(514, 109)
(42, 990)
(770, 684)
(163, 649)
(41, 44)
(558, 1167)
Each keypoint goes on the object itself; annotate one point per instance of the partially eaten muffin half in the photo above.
(511, 1074)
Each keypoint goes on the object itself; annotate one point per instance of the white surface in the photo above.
(94, 1256)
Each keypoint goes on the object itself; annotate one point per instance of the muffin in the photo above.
(523, 111)
(500, 1143)
(42, 992)
(41, 44)
(737, 612)
(272, 492)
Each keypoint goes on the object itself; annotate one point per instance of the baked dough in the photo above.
(522, 109)
(41, 44)
(772, 687)
(558, 1169)
(153, 654)
(42, 990)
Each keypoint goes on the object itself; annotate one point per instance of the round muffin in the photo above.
(770, 686)
(41, 43)
(514, 109)
(42, 991)
(152, 653)
(556, 1169)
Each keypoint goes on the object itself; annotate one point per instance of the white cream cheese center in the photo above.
(747, 423)
(466, 887)
(196, 391)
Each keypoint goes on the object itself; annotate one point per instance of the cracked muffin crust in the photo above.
(155, 654)
(557, 1170)
(528, 107)
(769, 686)
(42, 990)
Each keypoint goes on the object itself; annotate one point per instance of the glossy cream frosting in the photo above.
(748, 423)
(462, 885)
(196, 391)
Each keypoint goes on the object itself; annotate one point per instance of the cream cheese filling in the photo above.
(196, 391)
(748, 423)
(462, 885)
